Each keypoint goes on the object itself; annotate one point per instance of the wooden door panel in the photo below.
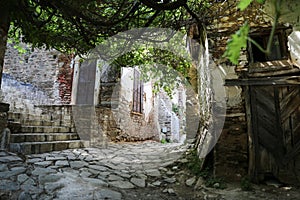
(292, 107)
(287, 136)
(276, 123)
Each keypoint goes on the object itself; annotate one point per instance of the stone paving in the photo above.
(88, 173)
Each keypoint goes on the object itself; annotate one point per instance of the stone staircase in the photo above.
(53, 130)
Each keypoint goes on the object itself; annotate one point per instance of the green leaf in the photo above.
(20, 49)
(236, 43)
(244, 4)
(260, 1)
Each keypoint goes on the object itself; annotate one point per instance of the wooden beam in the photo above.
(289, 80)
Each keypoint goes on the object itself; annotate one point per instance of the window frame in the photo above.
(282, 39)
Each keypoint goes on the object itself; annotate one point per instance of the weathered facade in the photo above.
(136, 114)
(262, 109)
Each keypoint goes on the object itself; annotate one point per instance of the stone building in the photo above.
(126, 107)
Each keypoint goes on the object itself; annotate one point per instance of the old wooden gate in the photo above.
(274, 129)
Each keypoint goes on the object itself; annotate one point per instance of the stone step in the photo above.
(42, 137)
(50, 131)
(14, 127)
(31, 122)
(39, 120)
(43, 147)
(16, 116)
(47, 129)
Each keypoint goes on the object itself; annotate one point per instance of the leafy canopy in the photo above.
(80, 25)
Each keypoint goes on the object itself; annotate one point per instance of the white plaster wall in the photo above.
(75, 80)
(97, 83)
(126, 90)
(148, 99)
(231, 94)
(294, 47)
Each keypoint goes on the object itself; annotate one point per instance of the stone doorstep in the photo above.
(43, 147)
(42, 137)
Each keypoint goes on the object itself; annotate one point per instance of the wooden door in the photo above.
(86, 83)
(275, 126)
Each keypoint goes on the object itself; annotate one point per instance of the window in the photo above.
(138, 91)
(278, 48)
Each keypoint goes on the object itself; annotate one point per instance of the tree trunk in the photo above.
(4, 26)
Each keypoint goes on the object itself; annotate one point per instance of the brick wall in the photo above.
(65, 78)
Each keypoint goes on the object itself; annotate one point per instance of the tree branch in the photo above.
(164, 6)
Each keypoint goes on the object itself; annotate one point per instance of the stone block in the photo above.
(60, 146)
(46, 147)
(74, 145)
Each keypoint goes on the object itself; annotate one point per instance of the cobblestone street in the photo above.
(127, 171)
(89, 173)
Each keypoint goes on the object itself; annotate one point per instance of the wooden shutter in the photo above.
(138, 91)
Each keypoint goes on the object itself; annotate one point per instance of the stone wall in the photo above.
(172, 115)
(108, 100)
(108, 125)
(135, 127)
(4, 132)
(38, 76)
(22, 96)
(199, 50)
(114, 111)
